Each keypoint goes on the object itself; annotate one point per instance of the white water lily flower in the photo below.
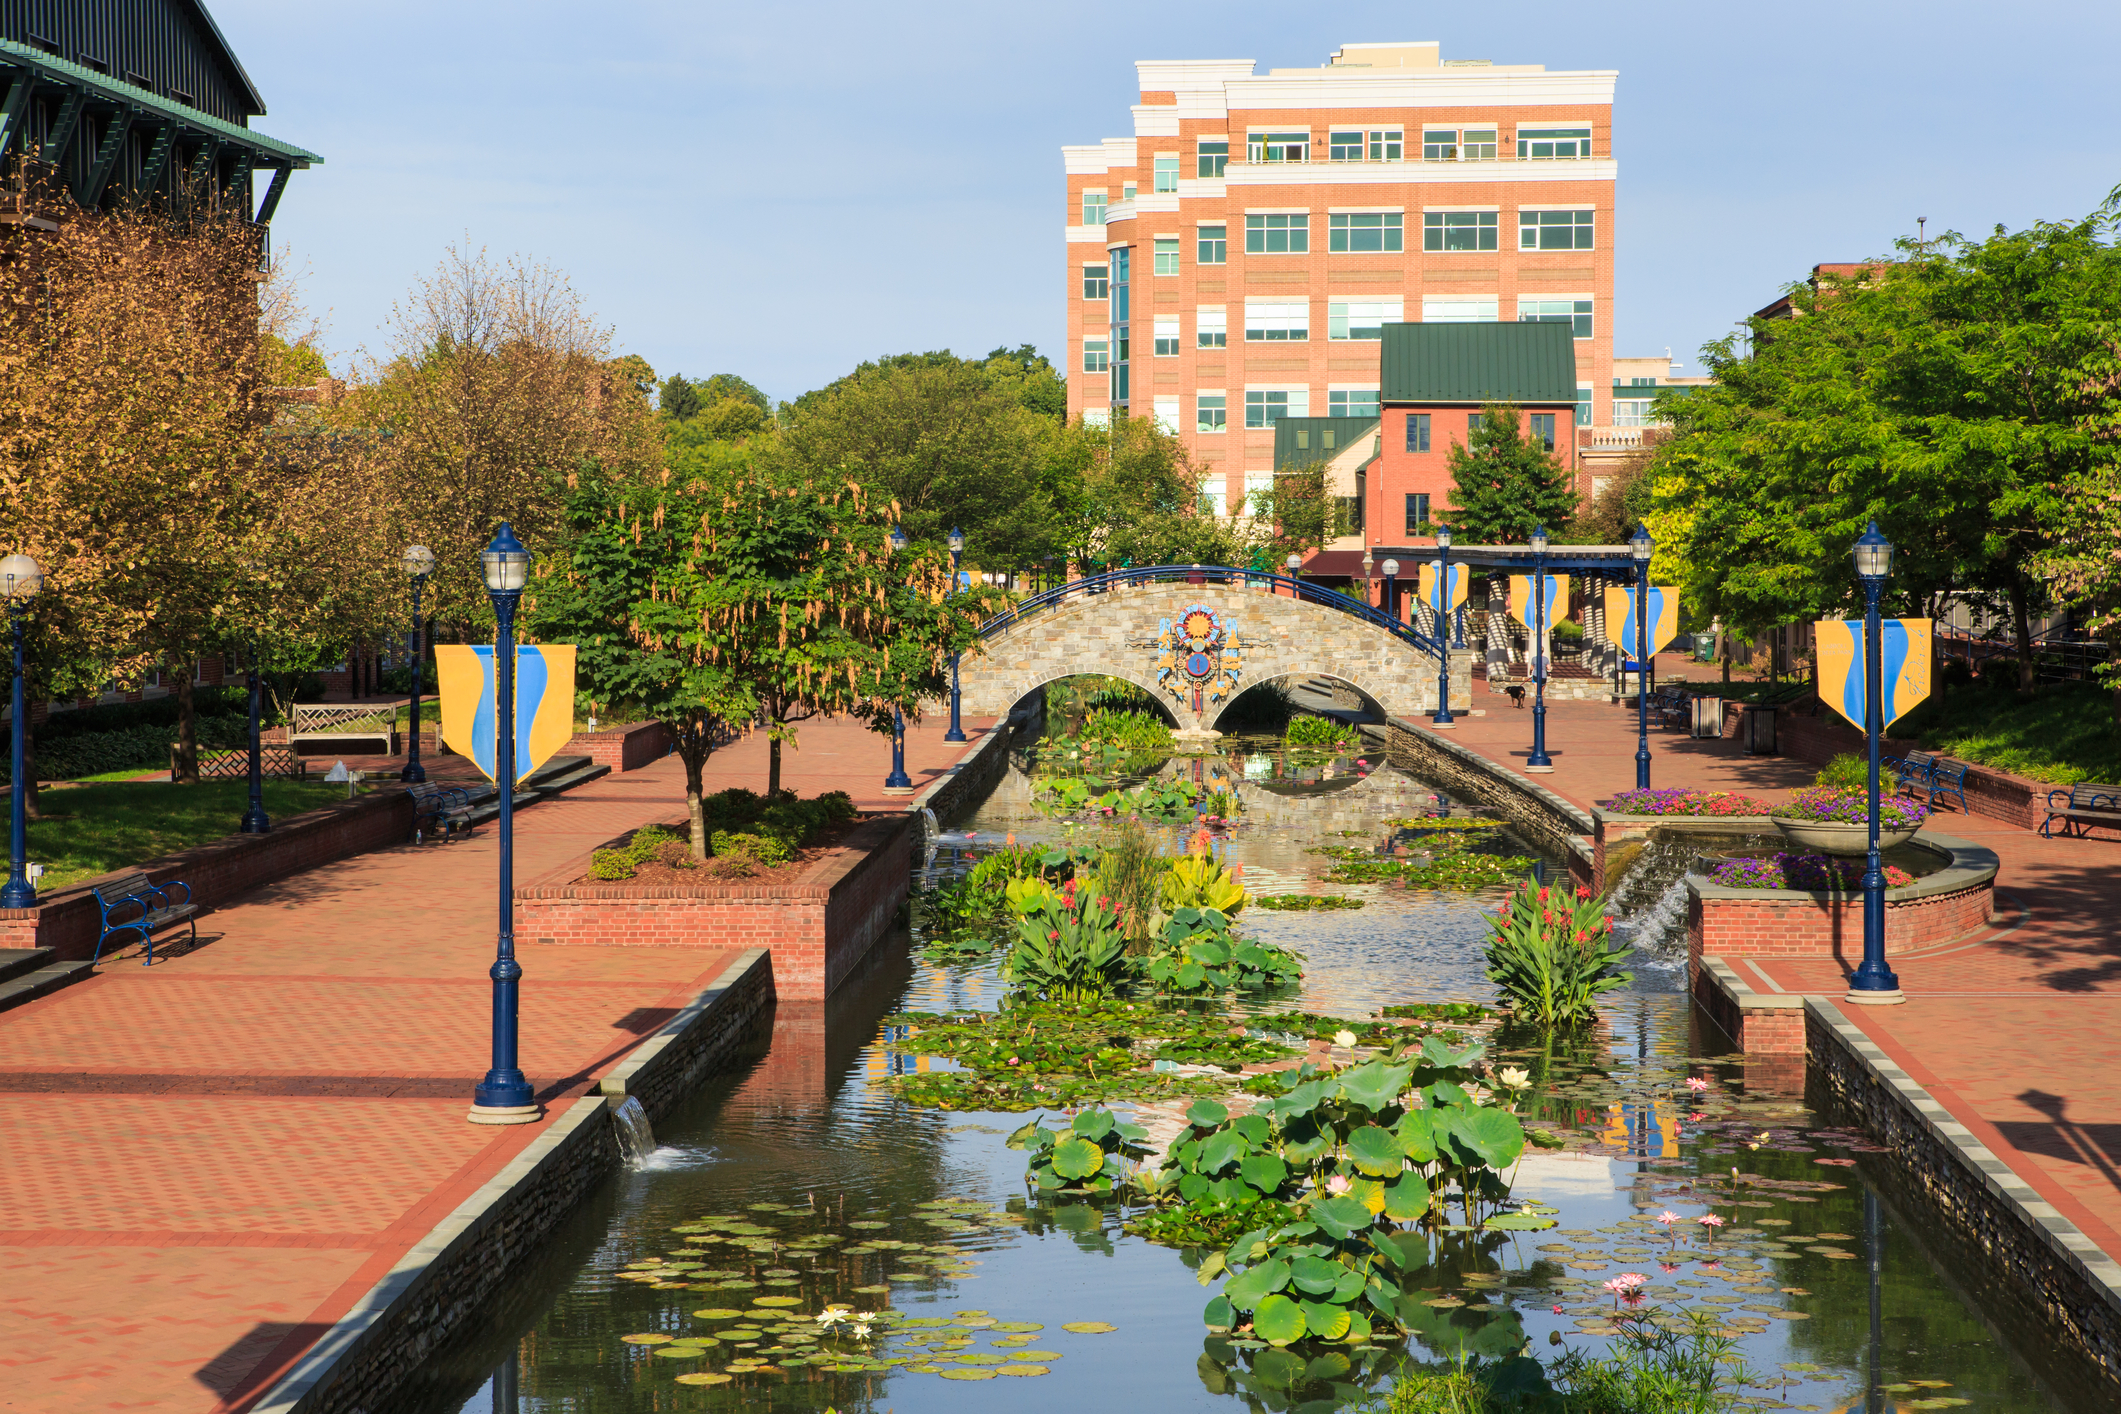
(832, 1315)
(1515, 1078)
(1344, 1038)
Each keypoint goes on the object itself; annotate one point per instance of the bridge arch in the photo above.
(1111, 626)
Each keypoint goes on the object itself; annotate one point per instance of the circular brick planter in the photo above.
(1828, 923)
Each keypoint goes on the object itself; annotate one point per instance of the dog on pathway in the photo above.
(1516, 696)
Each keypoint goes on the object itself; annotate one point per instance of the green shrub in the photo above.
(1567, 631)
(1549, 955)
(748, 848)
(1307, 730)
(1847, 771)
(1131, 730)
(650, 843)
(1070, 945)
(67, 756)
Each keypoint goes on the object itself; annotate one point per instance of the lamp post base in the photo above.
(1450, 726)
(900, 790)
(1538, 770)
(505, 1114)
(1895, 997)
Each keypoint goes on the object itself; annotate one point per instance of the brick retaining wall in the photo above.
(1787, 923)
(622, 748)
(69, 919)
(817, 927)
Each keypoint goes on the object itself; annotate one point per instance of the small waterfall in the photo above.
(635, 1137)
(1660, 930)
(1648, 905)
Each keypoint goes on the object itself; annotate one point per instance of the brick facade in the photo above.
(1789, 924)
(816, 928)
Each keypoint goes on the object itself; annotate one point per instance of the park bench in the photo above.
(157, 910)
(1932, 774)
(2083, 805)
(437, 806)
(338, 721)
(1673, 704)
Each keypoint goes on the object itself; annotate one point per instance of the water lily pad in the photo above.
(778, 1301)
(1018, 1326)
(964, 1374)
(869, 1226)
(980, 1357)
(649, 1338)
(1089, 1327)
(871, 1290)
(1023, 1370)
(680, 1352)
(1038, 1357)
(705, 1377)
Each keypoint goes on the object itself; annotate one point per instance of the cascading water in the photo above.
(635, 1136)
(1648, 905)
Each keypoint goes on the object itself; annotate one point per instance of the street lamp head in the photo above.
(1539, 540)
(895, 541)
(1874, 554)
(20, 578)
(957, 541)
(417, 561)
(1443, 537)
(505, 563)
(1640, 545)
(1369, 563)
(1294, 563)
(1391, 569)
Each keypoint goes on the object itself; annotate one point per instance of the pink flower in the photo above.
(1696, 1083)
(1668, 1218)
(1338, 1184)
(1710, 1221)
(1626, 1281)
(1668, 1266)
(1697, 1116)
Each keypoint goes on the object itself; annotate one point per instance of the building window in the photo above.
(1264, 410)
(1351, 402)
(1212, 329)
(1417, 432)
(1439, 145)
(1277, 321)
(1211, 158)
(1093, 208)
(1542, 426)
(1210, 412)
(1166, 174)
(1278, 234)
(1573, 312)
(1554, 230)
(1473, 420)
(1583, 405)
(1257, 484)
(1360, 318)
(1166, 255)
(1631, 412)
(1363, 231)
(1549, 144)
(1167, 338)
(1094, 281)
(1477, 145)
(1459, 309)
(1094, 356)
(1167, 415)
(1459, 230)
(1126, 192)
(1214, 493)
(1418, 511)
(1387, 144)
(1344, 147)
(1097, 417)
(1122, 259)
(1278, 147)
(1214, 245)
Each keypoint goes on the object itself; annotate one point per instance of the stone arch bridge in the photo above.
(1113, 625)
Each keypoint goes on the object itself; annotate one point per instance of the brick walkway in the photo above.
(209, 1161)
(2012, 1030)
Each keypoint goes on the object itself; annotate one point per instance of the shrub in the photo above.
(1827, 805)
(1131, 730)
(1549, 955)
(1070, 945)
(746, 848)
(1849, 771)
(1309, 730)
(650, 843)
(1567, 631)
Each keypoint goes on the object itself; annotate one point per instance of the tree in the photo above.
(677, 397)
(1504, 485)
(1128, 493)
(1296, 511)
(1036, 385)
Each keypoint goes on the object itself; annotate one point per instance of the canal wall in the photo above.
(455, 1273)
(1560, 825)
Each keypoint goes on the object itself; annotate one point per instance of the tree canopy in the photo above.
(1504, 484)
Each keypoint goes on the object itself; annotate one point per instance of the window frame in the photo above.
(1533, 222)
(1492, 301)
(1542, 427)
(1265, 332)
(1102, 204)
(1211, 250)
(1369, 408)
(1386, 144)
(1341, 327)
(1573, 136)
(1438, 229)
(1580, 316)
(1258, 144)
(1417, 433)
(1163, 255)
(1261, 400)
(1097, 356)
(1157, 337)
(1217, 403)
(1211, 325)
(1101, 281)
(1342, 228)
(1336, 149)
(1203, 156)
(1439, 151)
(1163, 168)
(1479, 144)
(1295, 232)
(1418, 511)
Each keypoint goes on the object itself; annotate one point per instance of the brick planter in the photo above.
(817, 927)
(622, 748)
(1955, 901)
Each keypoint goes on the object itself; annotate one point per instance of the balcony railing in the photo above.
(1242, 165)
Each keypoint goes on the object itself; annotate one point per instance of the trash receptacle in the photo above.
(1708, 716)
(1759, 730)
(1705, 647)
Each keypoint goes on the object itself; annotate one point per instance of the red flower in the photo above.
(1582, 892)
(1582, 937)
(1053, 937)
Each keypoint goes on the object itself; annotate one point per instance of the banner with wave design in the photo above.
(1620, 616)
(466, 683)
(1903, 661)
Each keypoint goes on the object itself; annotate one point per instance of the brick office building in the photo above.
(1237, 259)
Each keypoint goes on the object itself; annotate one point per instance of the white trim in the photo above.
(1277, 388)
(1496, 209)
(1279, 211)
(1210, 308)
(1221, 222)
(1211, 392)
(1366, 211)
(1283, 174)
(1546, 123)
(1543, 295)
(1561, 206)
(1085, 235)
(1167, 235)
(1370, 387)
(1200, 187)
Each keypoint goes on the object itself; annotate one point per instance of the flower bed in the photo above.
(1687, 802)
(1828, 805)
(1810, 872)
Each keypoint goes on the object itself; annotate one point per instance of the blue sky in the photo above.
(782, 191)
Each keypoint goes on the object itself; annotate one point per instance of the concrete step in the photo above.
(16, 961)
(556, 777)
(28, 986)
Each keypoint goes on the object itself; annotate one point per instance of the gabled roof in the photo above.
(224, 55)
(1474, 364)
(1300, 441)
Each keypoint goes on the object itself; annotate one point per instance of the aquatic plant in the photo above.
(1687, 802)
(1070, 946)
(1131, 870)
(1307, 903)
(1092, 1155)
(1201, 881)
(1811, 872)
(1550, 957)
(1309, 730)
(1198, 953)
(1130, 730)
(1826, 804)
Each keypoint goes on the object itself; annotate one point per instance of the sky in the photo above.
(782, 191)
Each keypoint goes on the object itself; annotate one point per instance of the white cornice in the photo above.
(1146, 202)
(1267, 174)
(1095, 159)
(1086, 235)
(1190, 75)
(1459, 88)
(1155, 120)
(1200, 187)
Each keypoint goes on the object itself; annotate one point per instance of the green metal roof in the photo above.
(116, 91)
(1473, 364)
(1299, 441)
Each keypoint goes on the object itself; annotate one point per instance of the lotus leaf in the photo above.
(1221, 1150)
(1315, 1275)
(648, 1339)
(1370, 1193)
(1254, 1128)
(1495, 1135)
(1436, 1053)
(1349, 1286)
(962, 1374)
(1373, 1084)
(1254, 1284)
(1207, 1113)
(1326, 1321)
(1219, 1315)
(1408, 1198)
(1266, 1172)
(705, 1377)
(1339, 1218)
(1375, 1151)
(1093, 1124)
(1278, 1320)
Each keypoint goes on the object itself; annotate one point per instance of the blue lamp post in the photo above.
(20, 579)
(1442, 717)
(957, 548)
(419, 562)
(898, 782)
(1539, 760)
(1874, 983)
(255, 820)
(505, 1096)
(1640, 547)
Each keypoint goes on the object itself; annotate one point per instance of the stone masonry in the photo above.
(1115, 634)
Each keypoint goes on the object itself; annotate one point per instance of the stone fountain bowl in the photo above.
(1835, 837)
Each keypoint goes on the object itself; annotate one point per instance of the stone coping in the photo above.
(1579, 819)
(1734, 988)
(2063, 1238)
(1967, 865)
(815, 883)
(1699, 824)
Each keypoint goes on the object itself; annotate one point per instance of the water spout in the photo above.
(635, 1137)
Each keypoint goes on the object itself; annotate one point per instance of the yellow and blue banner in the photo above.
(1434, 580)
(1557, 597)
(1903, 663)
(1620, 618)
(466, 681)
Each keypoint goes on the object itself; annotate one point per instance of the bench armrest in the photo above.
(2062, 796)
(162, 892)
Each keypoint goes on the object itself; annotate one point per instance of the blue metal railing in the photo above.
(1201, 576)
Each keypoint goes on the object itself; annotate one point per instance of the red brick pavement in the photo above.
(2011, 1030)
(209, 1161)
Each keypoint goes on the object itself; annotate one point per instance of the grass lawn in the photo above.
(93, 829)
(2064, 733)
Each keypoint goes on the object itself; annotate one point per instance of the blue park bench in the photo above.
(437, 806)
(1932, 774)
(2082, 806)
(156, 910)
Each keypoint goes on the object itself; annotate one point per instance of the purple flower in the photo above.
(1812, 873)
(1831, 805)
(1687, 802)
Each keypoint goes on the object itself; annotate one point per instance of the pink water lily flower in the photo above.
(1627, 1284)
(1696, 1083)
(1339, 1184)
(1668, 1218)
(1710, 1221)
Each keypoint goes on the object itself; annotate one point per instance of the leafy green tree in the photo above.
(1128, 493)
(1504, 484)
(1037, 385)
(721, 386)
(1298, 512)
(677, 397)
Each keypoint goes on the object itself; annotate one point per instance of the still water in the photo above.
(822, 1188)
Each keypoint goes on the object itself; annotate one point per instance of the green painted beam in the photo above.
(62, 131)
(55, 72)
(121, 125)
(16, 108)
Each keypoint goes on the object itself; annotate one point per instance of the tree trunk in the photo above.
(187, 764)
(773, 763)
(695, 740)
(2022, 630)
